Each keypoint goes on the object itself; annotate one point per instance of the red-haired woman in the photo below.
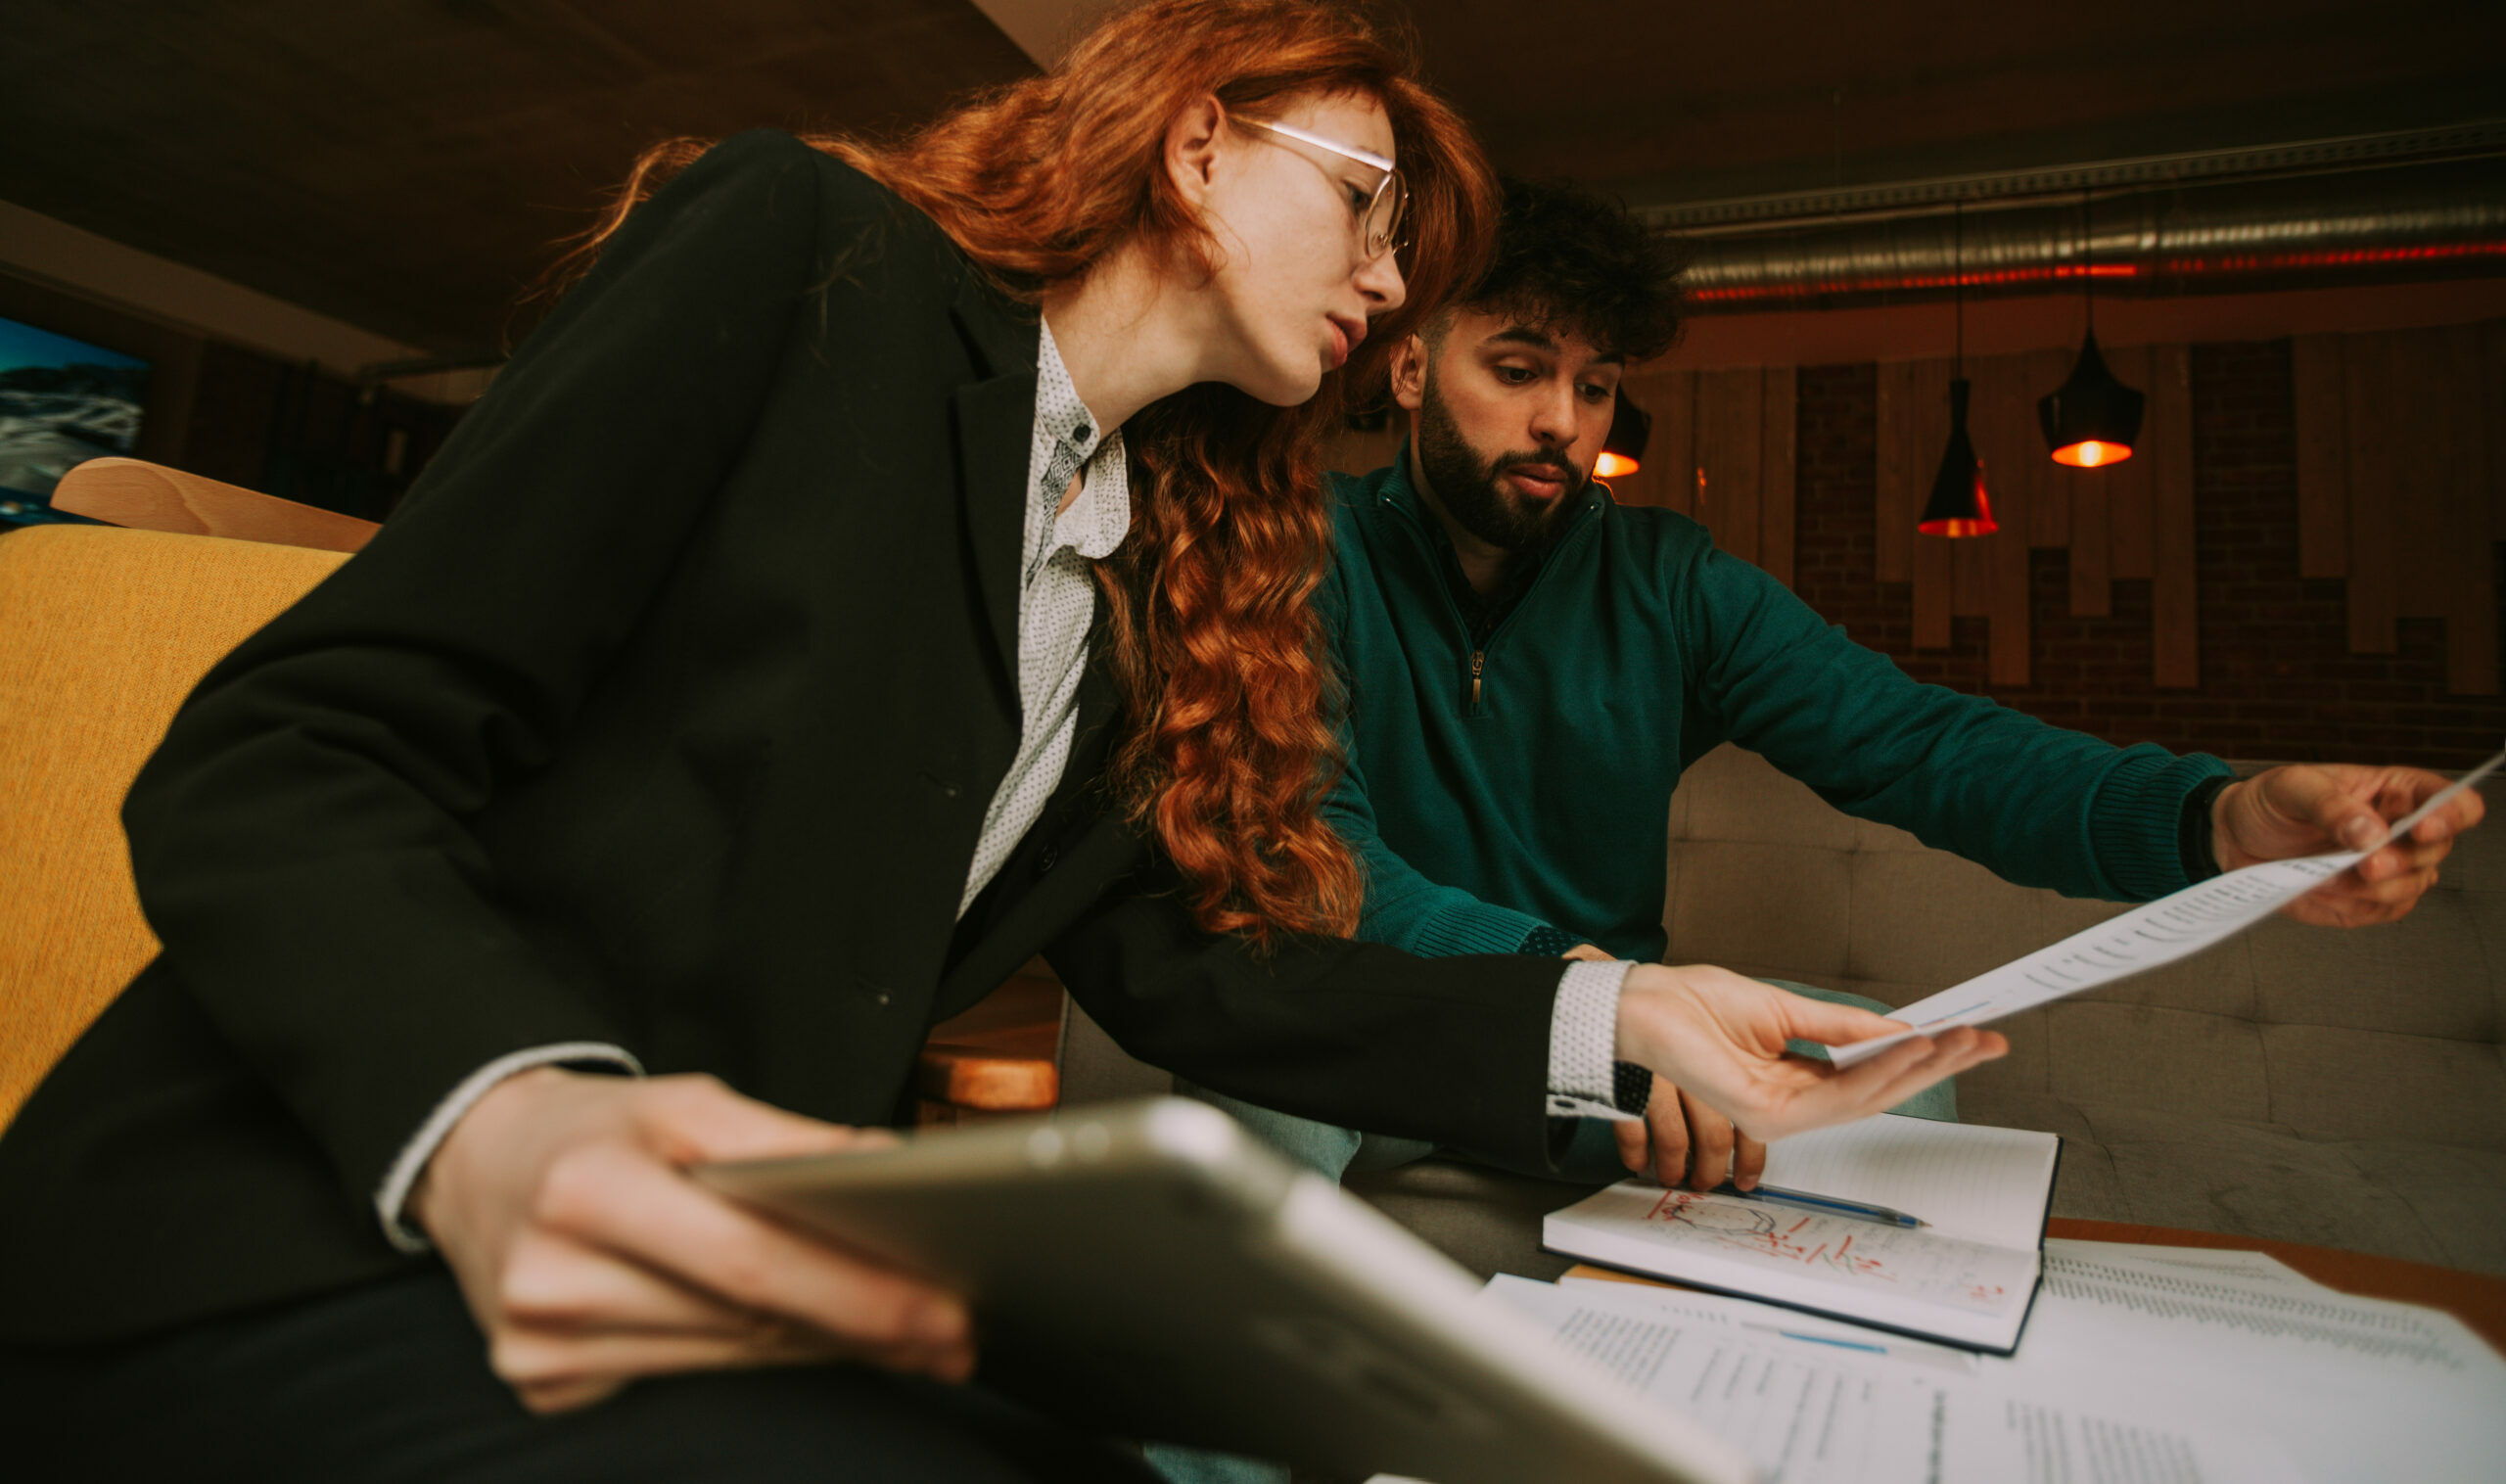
(718, 712)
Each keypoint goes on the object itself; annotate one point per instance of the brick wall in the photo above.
(2277, 678)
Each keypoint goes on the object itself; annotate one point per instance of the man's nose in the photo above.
(1553, 420)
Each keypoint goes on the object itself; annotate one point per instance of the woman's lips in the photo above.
(1346, 336)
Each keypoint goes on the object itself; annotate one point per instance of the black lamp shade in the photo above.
(2091, 419)
(1629, 430)
(1959, 505)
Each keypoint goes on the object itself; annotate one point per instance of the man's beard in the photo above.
(1468, 487)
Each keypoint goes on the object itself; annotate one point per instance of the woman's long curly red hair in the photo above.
(1230, 745)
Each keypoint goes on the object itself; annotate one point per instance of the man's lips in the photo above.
(1542, 482)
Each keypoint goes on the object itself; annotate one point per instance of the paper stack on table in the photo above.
(2142, 1366)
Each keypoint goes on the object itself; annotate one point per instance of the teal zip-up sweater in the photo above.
(1495, 790)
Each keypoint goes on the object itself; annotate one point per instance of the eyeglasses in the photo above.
(1380, 213)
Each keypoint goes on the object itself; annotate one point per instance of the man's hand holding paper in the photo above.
(2308, 808)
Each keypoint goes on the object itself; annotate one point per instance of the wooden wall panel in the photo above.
(2372, 417)
(2049, 522)
(2092, 571)
(2174, 595)
(1932, 568)
(2129, 532)
(1779, 427)
(1665, 474)
(2445, 574)
(1914, 419)
(2492, 420)
(2003, 419)
(1729, 453)
(1679, 473)
(2323, 485)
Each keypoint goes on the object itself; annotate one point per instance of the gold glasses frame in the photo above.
(1382, 219)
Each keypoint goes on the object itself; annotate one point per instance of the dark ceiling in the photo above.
(407, 164)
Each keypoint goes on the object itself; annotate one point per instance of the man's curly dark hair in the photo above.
(1574, 260)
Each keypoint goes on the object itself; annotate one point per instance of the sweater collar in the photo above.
(1482, 613)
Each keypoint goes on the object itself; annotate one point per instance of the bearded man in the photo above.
(1530, 666)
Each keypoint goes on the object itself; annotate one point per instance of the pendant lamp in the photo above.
(1959, 505)
(1629, 428)
(2092, 419)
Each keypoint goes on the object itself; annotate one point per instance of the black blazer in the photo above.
(665, 714)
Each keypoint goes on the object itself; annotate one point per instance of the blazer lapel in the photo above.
(995, 421)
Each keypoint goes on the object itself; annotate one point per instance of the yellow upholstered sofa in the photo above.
(107, 631)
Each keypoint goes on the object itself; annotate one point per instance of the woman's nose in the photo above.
(1379, 280)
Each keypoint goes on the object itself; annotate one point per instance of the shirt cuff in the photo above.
(1583, 1033)
(393, 1192)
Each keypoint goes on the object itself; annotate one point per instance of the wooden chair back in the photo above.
(146, 496)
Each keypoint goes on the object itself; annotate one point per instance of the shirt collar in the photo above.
(1097, 521)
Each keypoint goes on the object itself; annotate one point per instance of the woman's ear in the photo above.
(1192, 147)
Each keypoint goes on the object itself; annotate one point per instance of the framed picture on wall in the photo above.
(62, 402)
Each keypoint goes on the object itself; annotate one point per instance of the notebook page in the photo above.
(1971, 1183)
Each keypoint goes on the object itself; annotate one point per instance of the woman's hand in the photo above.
(589, 1258)
(1719, 1038)
(1683, 1140)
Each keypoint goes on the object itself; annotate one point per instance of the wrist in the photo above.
(2213, 846)
(489, 1119)
(1629, 1043)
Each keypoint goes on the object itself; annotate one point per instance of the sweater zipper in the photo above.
(1478, 651)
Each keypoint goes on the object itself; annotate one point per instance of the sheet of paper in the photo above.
(1805, 1408)
(2241, 1262)
(1745, 1243)
(2352, 1388)
(2158, 933)
(1970, 1182)
(2298, 1328)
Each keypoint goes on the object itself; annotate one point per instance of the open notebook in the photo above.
(1966, 1277)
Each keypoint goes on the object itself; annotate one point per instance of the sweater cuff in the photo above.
(1583, 1038)
(1476, 928)
(2136, 819)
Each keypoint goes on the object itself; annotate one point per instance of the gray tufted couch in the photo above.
(2342, 1089)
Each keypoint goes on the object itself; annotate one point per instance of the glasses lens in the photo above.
(1385, 216)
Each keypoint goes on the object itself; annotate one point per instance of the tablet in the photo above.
(1153, 1269)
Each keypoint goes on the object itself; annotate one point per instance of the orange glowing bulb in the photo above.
(2092, 454)
(1612, 465)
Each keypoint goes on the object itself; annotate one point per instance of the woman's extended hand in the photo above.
(589, 1258)
(1720, 1037)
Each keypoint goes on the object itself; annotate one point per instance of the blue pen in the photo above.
(1825, 1205)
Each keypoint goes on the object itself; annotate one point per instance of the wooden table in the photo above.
(2476, 1299)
